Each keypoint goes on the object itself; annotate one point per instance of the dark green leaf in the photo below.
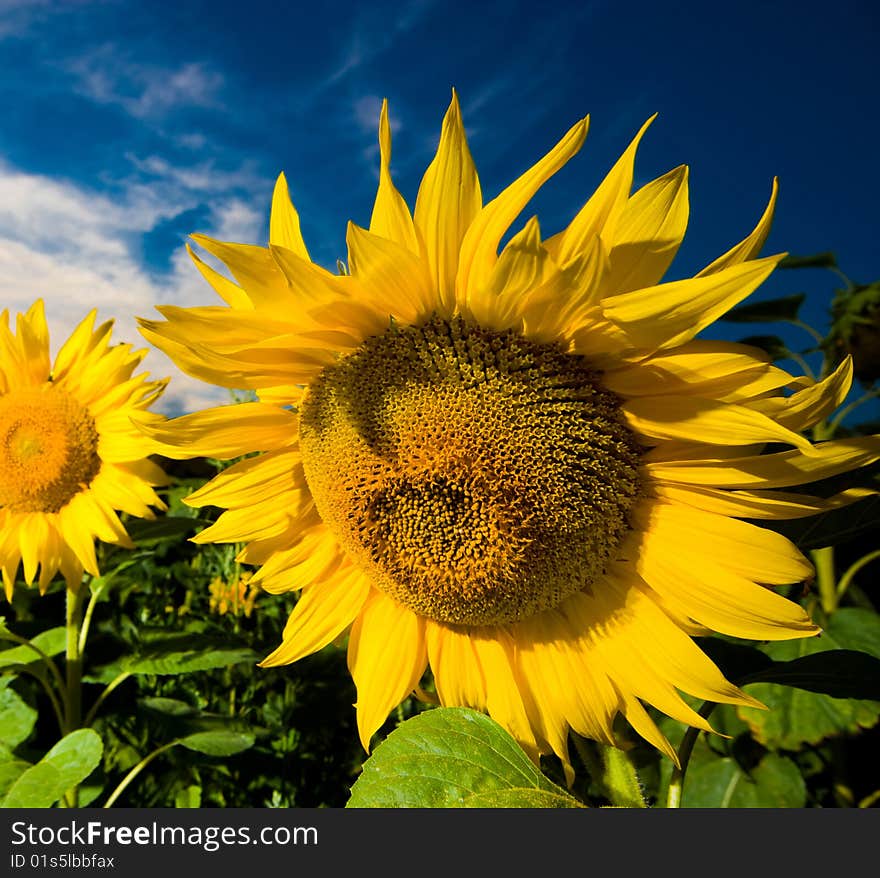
(145, 531)
(817, 260)
(169, 707)
(735, 660)
(833, 527)
(67, 764)
(17, 718)
(183, 654)
(51, 642)
(772, 310)
(770, 344)
(799, 716)
(445, 757)
(220, 742)
(776, 782)
(841, 673)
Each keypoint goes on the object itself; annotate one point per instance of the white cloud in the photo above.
(78, 250)
(108, 76)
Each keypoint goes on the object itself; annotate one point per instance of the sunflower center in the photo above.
(478, 476)
(48, 449)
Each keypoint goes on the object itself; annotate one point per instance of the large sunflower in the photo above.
(70, 454)
(519, 470)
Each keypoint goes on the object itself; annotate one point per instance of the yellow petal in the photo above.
(324, 610)
(749, 247)
(227, 431)
(661, 317)
(284, 230)
(810, 405)
(391, 217)
(647, 234)
(479, 249)
(386, 657)
(458, 675)
(449, 198)
(693, 418)
(608, 198)
(780, 470)
(706, 542)
(393, 277)
(230, 292)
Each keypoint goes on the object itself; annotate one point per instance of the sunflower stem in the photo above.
(136, 771)
(853, 569)
(826, 582)
(73, 669)
(676, 782)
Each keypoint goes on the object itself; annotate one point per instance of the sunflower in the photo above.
(518, 470)
(70, 454)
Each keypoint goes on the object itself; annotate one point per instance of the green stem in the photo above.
(676, 782)
(136, 771)
(87, 620)
(116, 681)
(823, 561)
(807, 328)
(73, 667)
(853, 569)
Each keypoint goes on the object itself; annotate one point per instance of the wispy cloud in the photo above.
(146, 91)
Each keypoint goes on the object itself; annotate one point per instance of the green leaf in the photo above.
(145, 531)
(168, 707)
(770, 344)
(783, 309)
(51, 642)
(799, 716)
(817, 260)
(184, 654)
(776, 782)
(10, 771)
(453, 758)
(17, 718)
(67, 764)
(841, 673)
(220, 742)
(833, 527)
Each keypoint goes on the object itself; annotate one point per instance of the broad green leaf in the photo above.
(796, 716)
(67, 764)
(817, 260)
(521, 798)
(147, 531)
(169, 707)
(443, 758)
(17, 718)
(776, 782)
(10, 772)
(220, 742)
(186, 654)
(841, 673)
(735, 660)
(832, 527)
(770, 311)
(51, 642)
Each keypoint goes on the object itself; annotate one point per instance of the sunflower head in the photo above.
(70, 454)
(513, 468)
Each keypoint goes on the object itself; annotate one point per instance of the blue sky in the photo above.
(128, 125)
